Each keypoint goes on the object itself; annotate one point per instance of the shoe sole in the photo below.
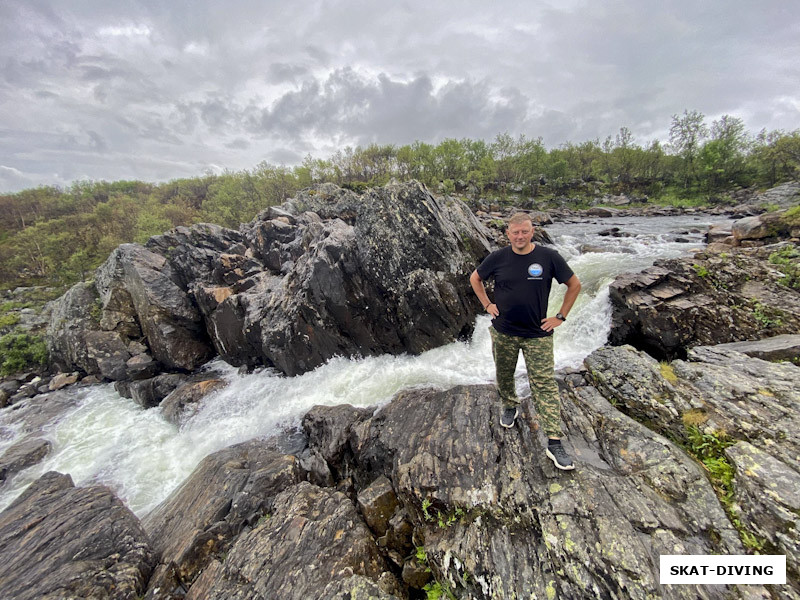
(555, 462)
(512, 422)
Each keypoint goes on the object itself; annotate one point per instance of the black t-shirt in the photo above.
(522, 287)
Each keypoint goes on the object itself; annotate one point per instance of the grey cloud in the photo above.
(391, 111)
(149, 90)
(283, 72)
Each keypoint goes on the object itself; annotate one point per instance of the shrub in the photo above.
(21, 352)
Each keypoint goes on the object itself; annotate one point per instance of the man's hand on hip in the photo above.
(551, 323)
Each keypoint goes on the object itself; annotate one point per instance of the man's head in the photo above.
(520, 233)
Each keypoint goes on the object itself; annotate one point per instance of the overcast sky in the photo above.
(159, 90)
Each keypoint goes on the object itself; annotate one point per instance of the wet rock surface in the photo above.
(59, 541)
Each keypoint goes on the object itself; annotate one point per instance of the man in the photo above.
(523, 274)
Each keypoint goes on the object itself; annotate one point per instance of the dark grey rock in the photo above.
(228, 491)
(313, 539)
(183, 401)
(25, 453)
(59, 541)
(704, 300)
(138, 280)
(109, 352)
(150, 392)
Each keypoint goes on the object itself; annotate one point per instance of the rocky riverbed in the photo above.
(427, 494)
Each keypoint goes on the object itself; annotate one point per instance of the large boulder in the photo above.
(493, 517)
(134, 278)
(349, 275)
(73, 316)
(228, 491)
(722, 400)
(329, 273)
(59, 541)
(707, 299)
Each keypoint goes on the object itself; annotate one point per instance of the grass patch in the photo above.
(694, 417)
(668, 373)
(787, 259)
(709, 449)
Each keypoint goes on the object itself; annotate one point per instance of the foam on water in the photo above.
(110, 440)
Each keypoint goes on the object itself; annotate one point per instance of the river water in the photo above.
(110, 440)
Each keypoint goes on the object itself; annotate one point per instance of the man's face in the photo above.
(520, 235)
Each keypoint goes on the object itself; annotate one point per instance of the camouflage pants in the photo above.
(538, 355)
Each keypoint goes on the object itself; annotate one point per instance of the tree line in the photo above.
(56, 236)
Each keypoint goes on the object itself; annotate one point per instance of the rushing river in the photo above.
(110, 440)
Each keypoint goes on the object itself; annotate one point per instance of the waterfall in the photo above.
(110, 440)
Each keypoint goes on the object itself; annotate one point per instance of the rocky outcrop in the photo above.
(430, 484)
(721, 400)
(429, 490)
(708, 299)
(312, 541)
(328, 273)
(59, 541)
(229, 491)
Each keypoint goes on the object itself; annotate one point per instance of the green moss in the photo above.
(701, 270)
(8, 320)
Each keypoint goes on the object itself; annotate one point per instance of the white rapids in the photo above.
(110, 440)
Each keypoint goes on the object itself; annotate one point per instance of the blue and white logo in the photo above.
(535, 270)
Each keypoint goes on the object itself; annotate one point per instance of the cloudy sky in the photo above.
(158, 90)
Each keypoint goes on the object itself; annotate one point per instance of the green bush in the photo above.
(787, 260)
(21, 352)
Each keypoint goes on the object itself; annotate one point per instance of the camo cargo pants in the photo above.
(538, 355)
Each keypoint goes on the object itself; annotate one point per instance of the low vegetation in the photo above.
(53, 236)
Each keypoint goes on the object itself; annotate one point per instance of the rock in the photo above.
(183, 402)
(59, 541)
(415, 574)
(193, 252)
(150, 392)
(73, 315)
(378, 503)
(142, 286)
(23, 454)
(329, 273)
(313, 539)
(768, 492)
(355, 276)
(785, 195)
(766, 226)
(613, 232)
(141, 366)
(328, 429)
(777, 348)
(707, 299)
(62, 380)
(228, 491)
(719, 396)
(109, 352)
(601, 212)
(498, 520)
(32, 415)
(719, 233)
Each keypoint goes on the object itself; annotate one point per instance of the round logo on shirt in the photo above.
(535, 270)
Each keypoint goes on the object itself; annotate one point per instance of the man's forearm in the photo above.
(479, 289)
(573, 289)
